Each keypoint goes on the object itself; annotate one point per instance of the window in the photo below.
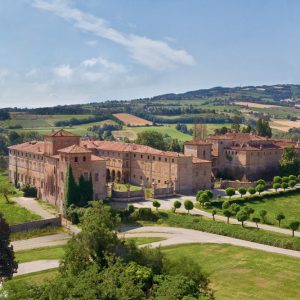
(62, 176)
(166, 159)
(172, 160)
(159, 158)
(86, 176)
(84, 158)
(134, 155)
(76, 159)
(141, 177)
(96, 177)
(153, 157)
(142, 156)
(148, 157)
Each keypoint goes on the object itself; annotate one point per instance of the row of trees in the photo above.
(188, 205)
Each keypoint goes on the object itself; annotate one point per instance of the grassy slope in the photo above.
(241, 273)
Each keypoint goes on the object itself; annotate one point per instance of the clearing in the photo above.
(256, 105)
(131, 120)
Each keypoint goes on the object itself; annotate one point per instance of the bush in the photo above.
(230, 192)
(226, 204)
(260, 182)
(292, 177)
(284, 185)
(260, 188)
(292, 183)
(276, 186)
(285, 179)
(251, 190)
(277, 179)
(144, 214)
(242, 191)
(29, 191)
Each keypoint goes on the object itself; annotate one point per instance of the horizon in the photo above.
(70, 51)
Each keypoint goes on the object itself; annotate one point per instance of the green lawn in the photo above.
(289, 205)
(24, 235)
(56, 252)
(145, 240)
(13, 212)
(123, 188)
(241, 273)
(35, 278)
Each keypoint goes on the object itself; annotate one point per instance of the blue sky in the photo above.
(75, 51)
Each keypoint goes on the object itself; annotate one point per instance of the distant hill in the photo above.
(262, 94)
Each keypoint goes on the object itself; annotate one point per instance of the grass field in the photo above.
(13, 212)
(35, 278)
(123, 188)
(24, 235)
(131, 132)
(145, 240)
(56, 252)
(241, 273)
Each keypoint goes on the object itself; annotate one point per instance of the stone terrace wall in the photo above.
(237, 184)
(128, 196)
(53, 222)
(163, 192)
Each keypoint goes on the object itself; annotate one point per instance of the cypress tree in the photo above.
(85, 191)
(90, 190)
(8, 265)
(71, 190)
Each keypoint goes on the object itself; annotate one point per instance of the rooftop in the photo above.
(74, 149)
(238, 137)
(36, 147)
(60, 133)
(197, 142)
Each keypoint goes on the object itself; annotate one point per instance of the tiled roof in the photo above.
(30, 147)
(60, 133)
(74, 149)
(238, 137)
(197, 160)
(197, 142)
(127, 147)
(95, 158)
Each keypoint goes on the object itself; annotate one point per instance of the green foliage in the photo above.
(285, 179)
(85, 190)
(292, 183)
(144, 214)
(71, 190)
(260, 182)
(263, 128)
(256, 220)
(260, 188)
(263, 213)
(29, 191)
(188, 205)
(279, 217)
(227, 213)
(226, 204)
(276, 186)
(248, 210)
(294, 225)
(289, 162)
(176, 205)
(242, 216)
(213, 213)
(251, 190)
(284, 185)
(292, 177)
(277, 179)
(235, 208)
(230, 192)
(156, 204)
(8, 265)
(242, 191)
(152, 139)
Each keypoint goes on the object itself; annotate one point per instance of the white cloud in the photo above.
(91, 43)
(106, 64)
(154, 54)
(63, 71)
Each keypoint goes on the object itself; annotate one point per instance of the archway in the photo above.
(108, 175)
(119, 176)
(113, 175)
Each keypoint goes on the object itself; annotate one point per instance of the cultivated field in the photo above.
(131, 120)
(284, 125)
(255, 105)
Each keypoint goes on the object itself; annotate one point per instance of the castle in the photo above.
(43, 164)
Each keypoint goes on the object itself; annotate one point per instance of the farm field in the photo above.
(256, 105)
(241, 273)
(131, 132)
(284, 125)
(132, 120)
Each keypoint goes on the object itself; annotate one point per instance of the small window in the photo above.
(142, 156)
(134, 155)
(159, 158)
(148, 157)
(172, 160)
(76, 159)
(166, 159)
(96, 177)
(153, 157)
(84, 158)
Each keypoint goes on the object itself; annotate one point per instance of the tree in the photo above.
(260, 182)
(8, 265)
(174, 146)
(248, 210)
(152, 139)
(242, 191)
(203, 198)
(285, 179)
(227, 213)
(277, 179)
(242, 216)
(276, 186)
(263, 128)
(279, 217)
(5, 190)
(289, 163)
(156, 204)
(71, 194)
(292, 177)
(284, 185)
(213, 213)
(235, 208)
(256, 220)
(263, 213)
(294, 225)
(176, 205)
(230, 192)
(251, 190)
(292, 183)
(226, 204)
(188, 205)
(259, 188)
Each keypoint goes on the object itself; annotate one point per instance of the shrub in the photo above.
(213, 213)
(29, 191)
(242, 191)
(277, 179)
(226, 204)
(251, 190)
(227, 213)
(259, 188)
(294, 225)
(230, 192)
(292, 183)
(279, 217)
(260, 182)
(242, 216)
(203, 198)
(144, 214)
(285, 179)
(276, 186)
(176, 205)
(263, 213)
(284, 185)
(256, 220)
(188, 205)
(156, 204)
(235, 208)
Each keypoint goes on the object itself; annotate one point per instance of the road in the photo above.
(173, 236)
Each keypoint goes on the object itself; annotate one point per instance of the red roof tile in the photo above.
(74, 149)
(30, 147)
(61, 133)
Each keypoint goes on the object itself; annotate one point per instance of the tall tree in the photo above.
(263, 128)
(152, 139)
(8, 265)
(289, 163)
(71, 190)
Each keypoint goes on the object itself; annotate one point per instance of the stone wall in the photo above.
(163, 192)
(237, 184)
(128, 196)
(53, 222)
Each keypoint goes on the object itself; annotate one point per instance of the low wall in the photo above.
(128, 196)
(53, 222)
(163, 192)
(237, 184)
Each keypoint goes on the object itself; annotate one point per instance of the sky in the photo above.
(77, 51)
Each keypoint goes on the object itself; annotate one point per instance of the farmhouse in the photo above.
(242, 155)
(43, 164)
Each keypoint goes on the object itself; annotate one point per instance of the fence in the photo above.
(53, 222)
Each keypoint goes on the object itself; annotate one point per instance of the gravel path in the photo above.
(36, 266)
